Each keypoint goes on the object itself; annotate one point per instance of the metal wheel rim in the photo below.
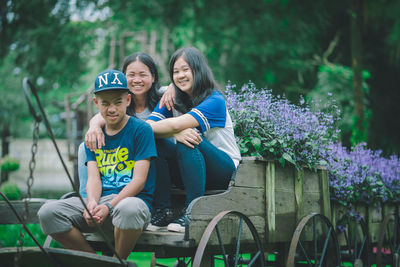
(213, 225)
(381, 239)
(355, 252)
(297, 234)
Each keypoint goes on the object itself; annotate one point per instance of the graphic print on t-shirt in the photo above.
(114, 167)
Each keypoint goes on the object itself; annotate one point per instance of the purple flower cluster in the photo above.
(362, 175)
(271, 127)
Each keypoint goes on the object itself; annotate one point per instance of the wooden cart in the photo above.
(267, 208)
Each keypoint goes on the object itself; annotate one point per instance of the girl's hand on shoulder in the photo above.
(168, 98)
(189, 137)
(94, 138)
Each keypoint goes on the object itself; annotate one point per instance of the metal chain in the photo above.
(30, 180)
(32, 163)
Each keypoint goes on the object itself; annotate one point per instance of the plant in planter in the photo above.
(271, 127)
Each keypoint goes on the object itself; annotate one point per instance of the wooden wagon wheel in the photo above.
(230, 249)
(357, 247)
(388, 249)
(314, 243)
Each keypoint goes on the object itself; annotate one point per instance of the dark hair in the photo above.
(203, 78)
(152, 96)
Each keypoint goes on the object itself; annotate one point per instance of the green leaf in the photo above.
(289, 158)
(256, 143)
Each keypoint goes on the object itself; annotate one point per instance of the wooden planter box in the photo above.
(275, 198)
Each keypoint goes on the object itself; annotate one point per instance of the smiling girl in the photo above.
(206, 153)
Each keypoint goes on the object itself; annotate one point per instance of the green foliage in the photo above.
(9, 235)
(11, 191)
(9, 164)
(337, 80)
(274, 42)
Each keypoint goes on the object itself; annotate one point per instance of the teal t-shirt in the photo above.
(116, 160)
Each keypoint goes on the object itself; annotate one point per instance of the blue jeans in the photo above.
(194, 169)
(82, 170)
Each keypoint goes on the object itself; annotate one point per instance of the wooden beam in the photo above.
(325, 195)
(7, 216)
(270, 200)
(298, 190)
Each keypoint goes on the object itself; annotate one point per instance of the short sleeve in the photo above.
(144, 143)
(90, 155)
(211, 112)
(160, 113)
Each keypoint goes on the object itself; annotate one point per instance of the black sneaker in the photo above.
(178, 225)
(160, 218)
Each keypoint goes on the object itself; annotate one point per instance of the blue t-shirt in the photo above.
(116, 160)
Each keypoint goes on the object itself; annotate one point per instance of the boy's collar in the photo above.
(115, 131)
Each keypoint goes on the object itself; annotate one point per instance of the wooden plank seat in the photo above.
(7, 216)
(163, 242)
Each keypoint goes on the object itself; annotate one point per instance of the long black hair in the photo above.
(203, 79)
(152, 96)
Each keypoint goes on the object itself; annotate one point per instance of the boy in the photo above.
(120, 178)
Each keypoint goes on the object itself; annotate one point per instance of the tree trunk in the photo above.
(5, 145)
(356, 59)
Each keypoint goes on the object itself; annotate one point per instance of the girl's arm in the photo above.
(169, 127)
(168, 98)
(94, 137)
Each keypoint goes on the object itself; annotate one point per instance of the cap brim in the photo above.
(112, 89)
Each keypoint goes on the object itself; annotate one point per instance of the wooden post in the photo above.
(325, 196)
(298, 190)
(270, 200)
(5, 145)
(111, 59)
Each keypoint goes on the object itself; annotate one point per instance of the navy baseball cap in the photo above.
(110, 80)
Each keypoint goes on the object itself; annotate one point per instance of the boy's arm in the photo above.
(137, 184)
(131, 189)
(94, 137)
(93, 190)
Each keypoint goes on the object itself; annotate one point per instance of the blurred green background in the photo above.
(350, 49)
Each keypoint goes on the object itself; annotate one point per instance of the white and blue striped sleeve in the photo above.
(160, 114)
(211, 112)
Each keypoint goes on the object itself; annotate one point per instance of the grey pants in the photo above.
(59, 216)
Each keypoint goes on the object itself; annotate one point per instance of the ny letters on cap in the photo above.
(110, 80)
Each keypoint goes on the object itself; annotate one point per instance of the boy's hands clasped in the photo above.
(99, 213)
